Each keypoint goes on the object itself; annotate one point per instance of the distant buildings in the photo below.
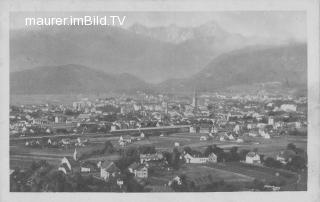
(150, 157)
(288, 107)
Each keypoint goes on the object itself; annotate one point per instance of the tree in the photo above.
(233, 154)
(257, 185)
(167, 156)
(108, 147)
(147, 149)
(272, 163)
(243, 153)
(175, 161)
(183, 186)
(210, 107)
(217, 151)
(208, 150)
(291, 146)
(297, 163)
(187, 150)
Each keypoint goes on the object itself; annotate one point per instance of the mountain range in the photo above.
(260, 64)
(153, 54)
(58, 60)
(286, 65)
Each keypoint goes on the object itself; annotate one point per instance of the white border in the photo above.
(312, 8)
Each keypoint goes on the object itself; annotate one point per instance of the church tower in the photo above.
(195, 101)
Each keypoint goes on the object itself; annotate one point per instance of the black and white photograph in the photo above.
(149, 101)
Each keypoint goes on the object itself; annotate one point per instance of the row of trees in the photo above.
(296, 162)
(106, 149)
(43, 177)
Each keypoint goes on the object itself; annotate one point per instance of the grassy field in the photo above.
(261, 173)
(22, 156)
(199, 174)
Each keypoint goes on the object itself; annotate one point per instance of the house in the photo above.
(139, 171)
(253, 158)
(264, 134)
(119, 182)
(150, 157)
(252, 133)
(88, 167)
(192, 129)
(212, 158)
(285, 156)
(270, 120)
(133, 167)
(221, 138)
(113, 128)
(65, 141)
(68, 165)
(84, 117)
(240, 140)
(271, 188)
(108, 169)
(288, 107)
(236, 129)
(80, 143)
(193, 159)
(230, 137)
(176, 179)
(123, 141)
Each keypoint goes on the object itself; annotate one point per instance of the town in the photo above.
(148, 142)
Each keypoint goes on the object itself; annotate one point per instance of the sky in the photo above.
(290, 25)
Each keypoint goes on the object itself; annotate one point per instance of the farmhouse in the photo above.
(212, 158)
(139, 171)
(68, 165)
(253, 158)
(150, 157)
(285, 156)
(108, 169)
(176, 179)
(88, 167)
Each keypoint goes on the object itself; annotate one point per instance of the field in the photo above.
(269, 147)
(199, 174)
(23, 156)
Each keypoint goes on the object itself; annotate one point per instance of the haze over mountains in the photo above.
(178, 58)
(71, 79)
(285, 64)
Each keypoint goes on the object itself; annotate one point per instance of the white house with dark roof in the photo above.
(139, 170)
(212, 158)
(108, 169)
(253, 158)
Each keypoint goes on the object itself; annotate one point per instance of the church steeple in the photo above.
(195, 101)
